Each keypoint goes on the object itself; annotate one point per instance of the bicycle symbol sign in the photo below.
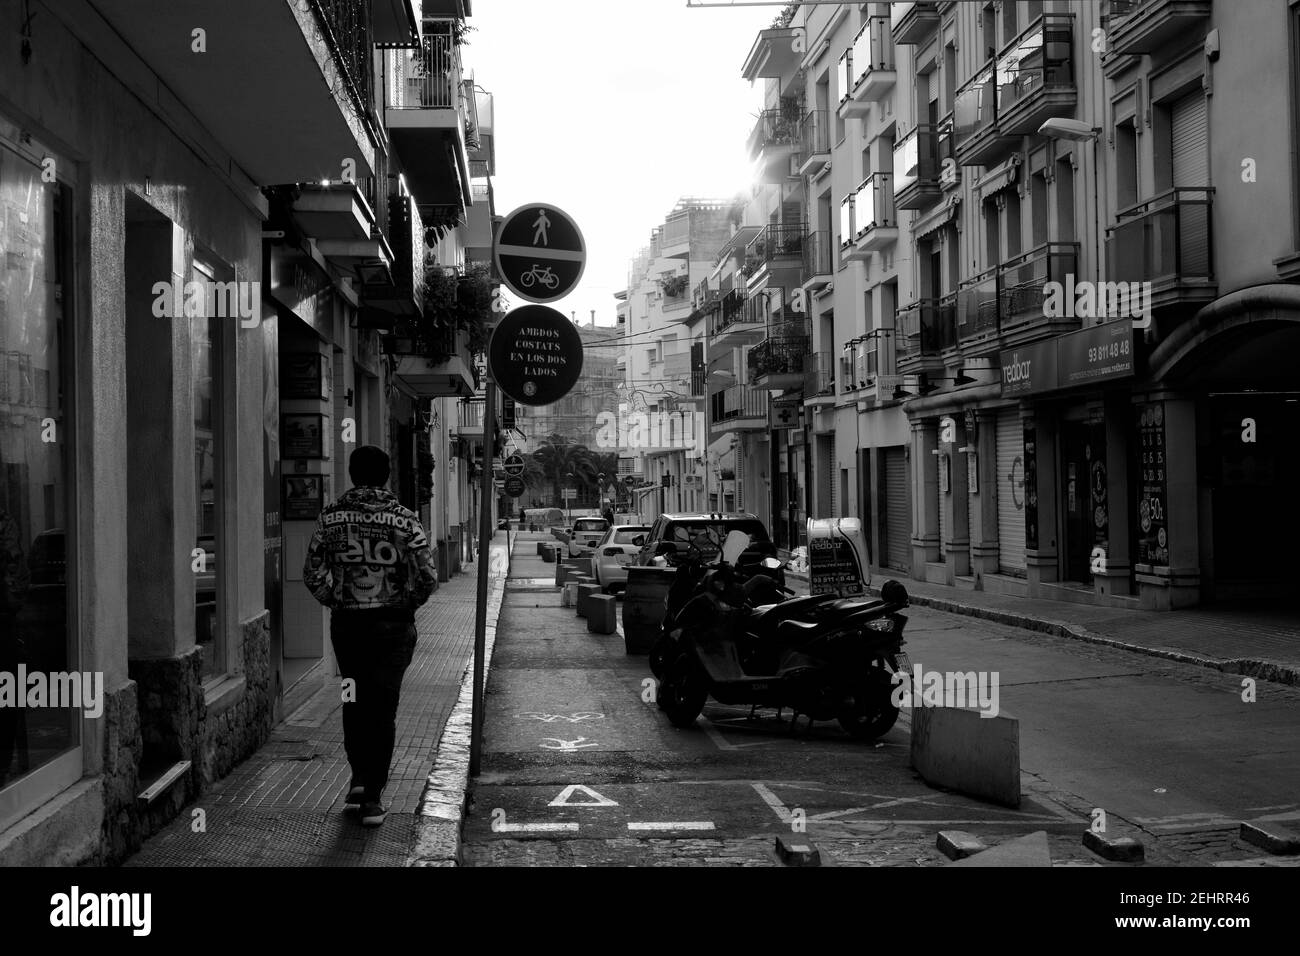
(540, 253)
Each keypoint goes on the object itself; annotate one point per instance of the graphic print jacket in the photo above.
(369, 553)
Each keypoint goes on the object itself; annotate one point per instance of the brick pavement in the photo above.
(284, 805)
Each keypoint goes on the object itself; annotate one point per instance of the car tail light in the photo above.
(612, 552)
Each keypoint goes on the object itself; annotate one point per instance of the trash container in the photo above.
(643, 607)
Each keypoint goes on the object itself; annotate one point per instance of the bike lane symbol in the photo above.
(539, 253)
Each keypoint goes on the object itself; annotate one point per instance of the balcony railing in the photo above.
(844, 74)
(1166, 239)
(775, 128)
(846, 220)
(345, 25)
(784, 355)
(975, 106)
(918, 164)
(977, 305)
(1039, 60)
(733, 312)
(873, 204)
(819, 375)
(426, 77)
(927, 327)
(1025, 277)
(818, 257)
(1145, 26)
(814, 135)
(778, 241)
(872, 50)
(738, 401)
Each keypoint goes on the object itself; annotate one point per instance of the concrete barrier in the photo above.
(585, 593)
(602, 614)
(956, 748)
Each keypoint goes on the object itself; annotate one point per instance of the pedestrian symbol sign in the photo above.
(514, 465)
(540, 253)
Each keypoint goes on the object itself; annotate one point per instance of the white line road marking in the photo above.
(566, 795)
(773, 801)
(698, 825)
(535, 828)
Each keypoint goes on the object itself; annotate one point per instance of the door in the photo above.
(1011, 493)
(1083, 496)
(898, 525)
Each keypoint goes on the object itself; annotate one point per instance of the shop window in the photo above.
(207, 394)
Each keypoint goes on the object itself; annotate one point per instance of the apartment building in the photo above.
(216, 265)
(661, 409)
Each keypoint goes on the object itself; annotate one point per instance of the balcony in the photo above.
(778, 361)
(388, 296)
(978, 299)
(434, 364)
(429, 106)
(469, 419)
(733, 323)
(918, 165)
(342, 220)
(778, 246)
(819, 378)
(675, 237)
(926, 328)
(483, 158)
(910, 23)
(1147, 26)
(871, 66)
(1029, 82)
(1021, 315)
(849, 108)
(676, 303)
(775, 138)
(775, 54)
(874, 219)
(814, 142)
(289, 100)
(1169, 242)
(738, 408)
(818, 261)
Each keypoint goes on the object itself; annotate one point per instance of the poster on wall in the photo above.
(1153, 532)
(1031, 486)
(305, 376)
(304, 497)
(303, 435)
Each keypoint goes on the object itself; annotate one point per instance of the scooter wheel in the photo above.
(683, 693)
(871, 713)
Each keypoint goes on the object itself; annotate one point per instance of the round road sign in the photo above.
(539, 252)
(515, 486)
(514, 465)
(535, 355)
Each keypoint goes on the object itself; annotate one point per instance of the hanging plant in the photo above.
(674, 286)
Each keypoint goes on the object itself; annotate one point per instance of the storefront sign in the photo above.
(1099, 353)
(298, 283)
(1153, 532)
(837, 557)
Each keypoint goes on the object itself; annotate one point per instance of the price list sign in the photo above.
(1153, 534)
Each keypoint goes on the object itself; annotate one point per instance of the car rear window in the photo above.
(684, 532)
(627, 534)
(591, 525)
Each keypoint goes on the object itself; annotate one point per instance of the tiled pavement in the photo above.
(284, 805)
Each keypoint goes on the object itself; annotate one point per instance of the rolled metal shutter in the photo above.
(1011, 493)
(1190, 154)
(943, 500)
(898, 524)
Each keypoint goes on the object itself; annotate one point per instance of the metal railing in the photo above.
(846, 220)
(429, 76)
(975, 106)
(1024, 279)
(844, 74)
(733, 311)
(916, 157)
(775, 128)
(784, 355)
(872, 50)
(977, 304)
(738, 401)
(819, 375)
(818, 258)
(1168, 236)
(873, 203)
(345, 25)
(814, 134)
(927, 327)
(778, 240)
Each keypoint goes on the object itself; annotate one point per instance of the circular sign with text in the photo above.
(535, 355)
(540, 253)
(514, 465)
(514, 486)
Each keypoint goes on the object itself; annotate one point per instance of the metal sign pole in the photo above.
(484, 558)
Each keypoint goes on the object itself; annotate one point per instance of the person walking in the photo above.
(369, 563)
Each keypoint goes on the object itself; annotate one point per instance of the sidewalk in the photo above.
(284, 805)
(1253, 639)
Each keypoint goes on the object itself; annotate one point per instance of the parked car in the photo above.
(584, 534)
(614, 552)
(671, 536)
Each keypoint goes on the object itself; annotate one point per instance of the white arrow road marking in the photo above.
(698, 825)
(566, 795)
(567, 744)
(537, 252)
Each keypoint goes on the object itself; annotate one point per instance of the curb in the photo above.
(442, 805)
(1247, 667)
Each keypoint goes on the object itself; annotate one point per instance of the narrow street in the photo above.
(581, 768)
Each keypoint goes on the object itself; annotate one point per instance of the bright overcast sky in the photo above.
(611, 110)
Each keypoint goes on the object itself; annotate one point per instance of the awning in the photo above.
(933, 221)
(998, 178)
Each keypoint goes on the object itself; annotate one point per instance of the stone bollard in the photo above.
(569, 594)
(585, 593)
(602, 614)
(548, 555)
(542, 548)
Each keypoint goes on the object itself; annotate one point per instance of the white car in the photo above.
(584, 534)
(614, 552)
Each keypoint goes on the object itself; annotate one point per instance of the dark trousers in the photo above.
(374, 654)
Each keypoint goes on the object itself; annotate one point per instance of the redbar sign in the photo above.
(1099, 353)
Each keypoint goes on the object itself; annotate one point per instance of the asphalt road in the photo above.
(580, 766)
